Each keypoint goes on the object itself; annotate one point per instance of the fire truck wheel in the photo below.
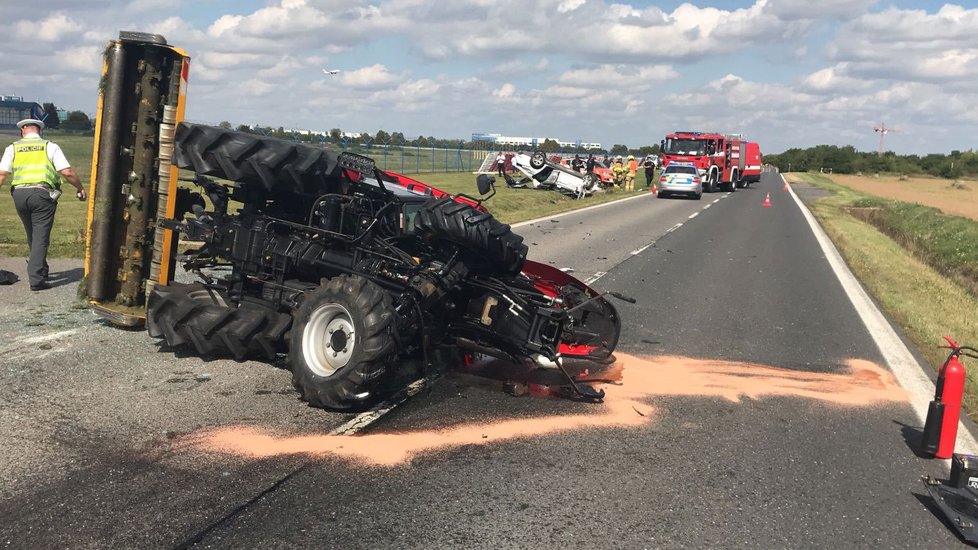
(538, 160)
(200, 316)
(486, 245)
(341, 343)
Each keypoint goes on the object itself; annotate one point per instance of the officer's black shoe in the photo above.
(43, 285)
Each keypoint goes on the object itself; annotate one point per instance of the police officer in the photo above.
(37, 166)
(649, 165)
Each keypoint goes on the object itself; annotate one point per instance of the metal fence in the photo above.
(408, 158)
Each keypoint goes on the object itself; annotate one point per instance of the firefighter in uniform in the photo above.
(619, 172)
(37, 166)
(632, 170)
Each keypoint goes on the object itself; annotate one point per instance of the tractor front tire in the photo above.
(488, 246)
(200, 316)
(342, 343)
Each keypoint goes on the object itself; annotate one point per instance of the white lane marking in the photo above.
(707, 206)
(569, 212)
(366, 418)
(673, 228)
(638, 251)
(595, 277)
(716, 200)
(693, 215)
(908, 372)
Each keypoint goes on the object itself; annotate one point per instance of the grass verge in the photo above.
(924, 302)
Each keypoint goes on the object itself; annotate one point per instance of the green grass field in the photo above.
(67, 237)
(509, 205)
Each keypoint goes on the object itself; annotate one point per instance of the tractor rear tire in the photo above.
(274, 164)
(202, 317)
(488, 246)
(342, 343)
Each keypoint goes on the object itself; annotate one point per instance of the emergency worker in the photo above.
(37, 166)
(619, 172)
(632, 170)
(649, 165)
(589, 165)
(577, 164)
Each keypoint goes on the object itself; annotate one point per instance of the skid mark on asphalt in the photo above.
(861, 384)
(35, 347)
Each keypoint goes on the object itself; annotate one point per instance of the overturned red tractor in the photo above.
(350, 271)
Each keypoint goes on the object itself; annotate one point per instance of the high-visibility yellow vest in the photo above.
(31, 164)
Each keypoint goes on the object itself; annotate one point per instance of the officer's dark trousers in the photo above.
(36, 210)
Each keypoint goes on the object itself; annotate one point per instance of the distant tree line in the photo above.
(75, 121)
(846, 160)
(335, 137)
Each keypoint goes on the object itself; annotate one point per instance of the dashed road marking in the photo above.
(366, 418)
(673, 228)
(595, 277)
(693, 215)
(638, 251)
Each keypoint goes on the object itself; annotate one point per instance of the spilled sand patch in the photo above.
(862, 384)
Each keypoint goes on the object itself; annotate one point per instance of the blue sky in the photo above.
(788, 73)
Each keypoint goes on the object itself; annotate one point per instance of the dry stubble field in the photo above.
(939, 193)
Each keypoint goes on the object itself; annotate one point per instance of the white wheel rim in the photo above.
(328, 339)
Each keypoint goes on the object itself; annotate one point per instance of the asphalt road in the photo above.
(752, 413)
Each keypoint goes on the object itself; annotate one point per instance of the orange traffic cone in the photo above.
(767, 200)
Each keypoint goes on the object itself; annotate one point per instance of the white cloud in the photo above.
(53, 28)
(505, 91)
(372, 77)
(627, 76)
(801, 72)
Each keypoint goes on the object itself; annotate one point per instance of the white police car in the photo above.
(680, 178)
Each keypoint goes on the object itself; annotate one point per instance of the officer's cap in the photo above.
(29, 121)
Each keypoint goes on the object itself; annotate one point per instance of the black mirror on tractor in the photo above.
(484, 182)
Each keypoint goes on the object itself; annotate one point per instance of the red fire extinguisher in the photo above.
(941, 428)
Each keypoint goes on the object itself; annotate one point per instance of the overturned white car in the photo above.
(540, 173)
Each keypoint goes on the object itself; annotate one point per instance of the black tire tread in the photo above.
(491, 246)
(375, 310)
(275, 164)
(213, 329)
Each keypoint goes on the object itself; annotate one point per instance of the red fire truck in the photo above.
(724, 161)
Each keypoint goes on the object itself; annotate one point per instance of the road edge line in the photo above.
(575, 211)
(905, 368)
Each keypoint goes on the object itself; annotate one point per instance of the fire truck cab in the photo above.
(724, 161)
